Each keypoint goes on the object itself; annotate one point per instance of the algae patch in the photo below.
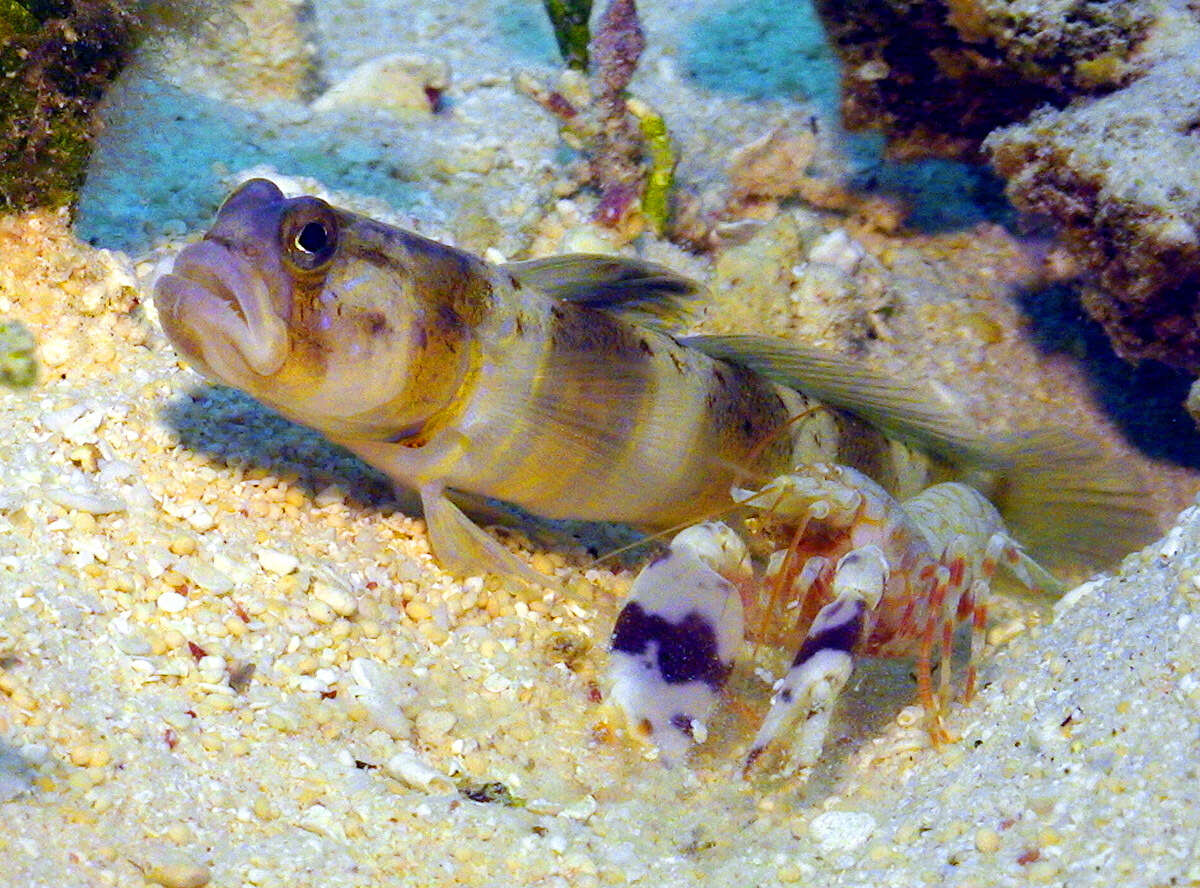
(55, 61)
(18, 367)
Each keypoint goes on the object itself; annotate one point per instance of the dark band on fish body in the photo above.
(748, 407)
(579, 329)
(596, 379)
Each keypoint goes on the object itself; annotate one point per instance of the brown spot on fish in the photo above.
(376, 323)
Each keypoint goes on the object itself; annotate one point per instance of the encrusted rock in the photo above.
(936, 76)
(397, 83)
(1121, 178)
(1092, 109)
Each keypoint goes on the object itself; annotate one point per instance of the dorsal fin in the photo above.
(1074, 506)
(903, 411)
(641, 292)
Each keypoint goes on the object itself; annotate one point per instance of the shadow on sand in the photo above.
(1145, 401)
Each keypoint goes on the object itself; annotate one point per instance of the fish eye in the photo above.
(309, 236)
(312, 239)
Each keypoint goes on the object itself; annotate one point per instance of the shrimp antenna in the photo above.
(682, 525)
(742, 470)
(668, 531)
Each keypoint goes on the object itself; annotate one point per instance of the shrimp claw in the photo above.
(852, 572)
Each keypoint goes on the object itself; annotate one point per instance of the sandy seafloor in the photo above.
(158, 534)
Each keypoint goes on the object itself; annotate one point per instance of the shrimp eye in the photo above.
(309, 235)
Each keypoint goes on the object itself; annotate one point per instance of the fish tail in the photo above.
(1074, 507)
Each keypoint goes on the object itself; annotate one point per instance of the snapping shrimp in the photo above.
(855, 573)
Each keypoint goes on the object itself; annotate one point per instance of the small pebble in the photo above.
(418, 610)
(211, 668)
(179, 875)
(841, 830)
(1042, 871)
(839, 250)
(83, 501)
(279, 563)
(205, 575)
(201, 519)
(409, 769)
(987, 840)
(171, 602)
(55, 351)
(179, 833)
(339, 600)
(400, 82)
(320, 612)
(434, 724)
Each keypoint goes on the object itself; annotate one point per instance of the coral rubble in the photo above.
(1087, 108)
(1121, 178)
(55, 60)
(936, 76)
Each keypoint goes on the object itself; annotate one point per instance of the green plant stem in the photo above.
(570, 20)
(661, 176)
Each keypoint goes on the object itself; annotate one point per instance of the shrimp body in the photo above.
(851, 572)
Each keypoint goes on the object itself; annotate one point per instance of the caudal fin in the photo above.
(1073, 507)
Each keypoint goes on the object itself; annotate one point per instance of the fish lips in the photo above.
(213, 294)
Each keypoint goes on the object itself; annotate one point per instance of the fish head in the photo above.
(334, 320)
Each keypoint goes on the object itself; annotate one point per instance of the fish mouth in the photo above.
(214, 299)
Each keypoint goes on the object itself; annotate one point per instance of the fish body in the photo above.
(552, 384)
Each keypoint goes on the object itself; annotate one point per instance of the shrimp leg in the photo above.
(809, 690)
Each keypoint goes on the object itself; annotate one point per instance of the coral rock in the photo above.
(936, 76)
(1121, 178)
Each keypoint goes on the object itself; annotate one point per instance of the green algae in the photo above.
(18, 366)
(55, 61)
(570, 21)
(15, 19)
(660, 177)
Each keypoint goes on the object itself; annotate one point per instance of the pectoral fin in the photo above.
(465, 549)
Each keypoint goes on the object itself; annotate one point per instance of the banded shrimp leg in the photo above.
(857, 574)
(907, 575)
